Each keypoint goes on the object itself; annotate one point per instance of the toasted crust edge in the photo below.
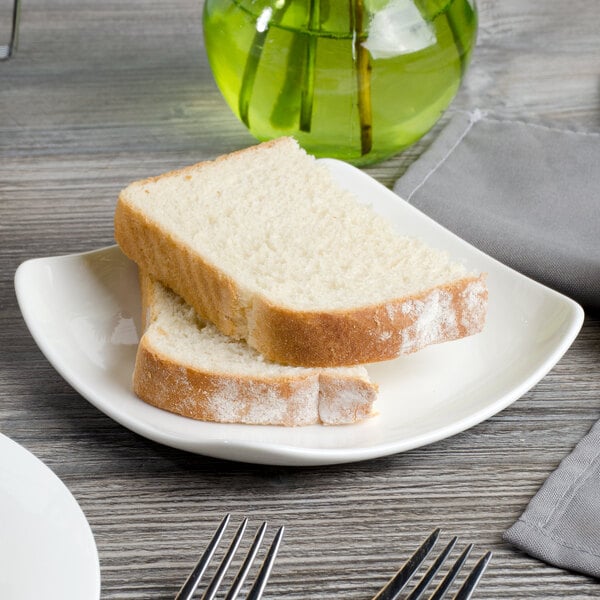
(252, 401)
(373, 333)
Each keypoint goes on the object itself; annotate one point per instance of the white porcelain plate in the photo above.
(84, 313)
(46, 546)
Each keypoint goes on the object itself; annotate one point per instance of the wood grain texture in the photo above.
(103, 93)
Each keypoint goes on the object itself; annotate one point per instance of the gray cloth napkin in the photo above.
(561, 524)
(528, 195)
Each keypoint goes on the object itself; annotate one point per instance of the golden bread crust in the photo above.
(290, 402)
(198, 394)
(369, 334)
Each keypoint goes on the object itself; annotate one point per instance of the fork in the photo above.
(258, 587)
(391, 591)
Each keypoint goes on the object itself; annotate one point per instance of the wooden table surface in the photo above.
(101, 93)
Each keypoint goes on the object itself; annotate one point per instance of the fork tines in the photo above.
(392, 590)
(195, 577)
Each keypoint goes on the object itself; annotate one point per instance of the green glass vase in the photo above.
(357, 80)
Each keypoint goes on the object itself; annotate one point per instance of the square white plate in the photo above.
(84, 313)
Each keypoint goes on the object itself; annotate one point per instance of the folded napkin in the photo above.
(528, 195)
(561, 524)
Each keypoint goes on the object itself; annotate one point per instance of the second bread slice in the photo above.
(266, 245)
(184, 365)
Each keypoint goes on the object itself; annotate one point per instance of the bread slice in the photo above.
(264, 244)
(184, 365)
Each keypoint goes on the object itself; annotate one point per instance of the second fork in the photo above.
(392, 590)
